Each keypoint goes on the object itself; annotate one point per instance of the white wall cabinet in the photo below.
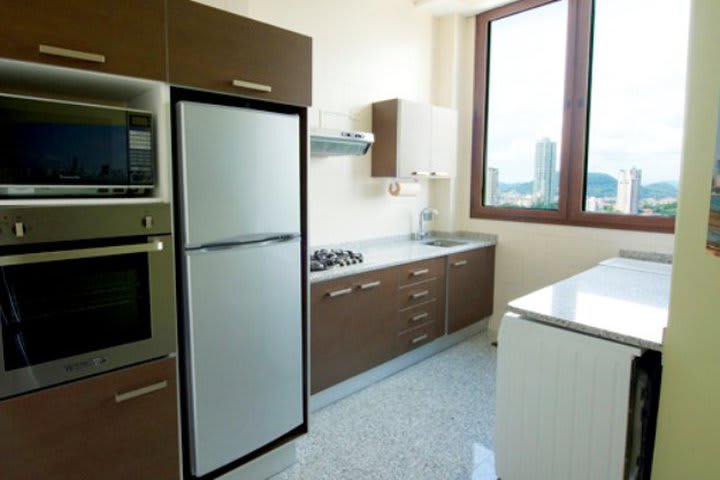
(414, 139)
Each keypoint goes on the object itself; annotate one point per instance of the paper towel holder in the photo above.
(404, 187)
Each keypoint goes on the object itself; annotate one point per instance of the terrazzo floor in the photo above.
(432, 421)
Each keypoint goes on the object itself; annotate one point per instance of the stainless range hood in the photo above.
(326, 142)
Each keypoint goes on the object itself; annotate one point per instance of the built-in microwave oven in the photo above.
(83, 290)
(51, 148)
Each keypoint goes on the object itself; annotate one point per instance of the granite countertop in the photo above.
(623, 300)
(391, 251)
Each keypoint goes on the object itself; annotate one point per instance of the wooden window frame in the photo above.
(574, 131)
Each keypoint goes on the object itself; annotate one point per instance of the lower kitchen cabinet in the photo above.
(117, 425)
(360, 321)
(470, 287)
(351, 326)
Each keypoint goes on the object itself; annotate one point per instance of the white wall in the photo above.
(363, 52)
(688, 424)
(530, 255)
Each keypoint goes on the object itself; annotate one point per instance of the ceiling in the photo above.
(461, 7)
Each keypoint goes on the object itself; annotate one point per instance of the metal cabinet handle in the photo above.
(369, 285)
(43, 257)
(417, 273)
(339, 293)
(419, 339)
(460, 263)
(421, 173)
(123, 397)
(439, 174)
(419, 316)
(260, 87)
(74, 54)
(417, 295)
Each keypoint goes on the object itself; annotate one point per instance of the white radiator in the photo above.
(562, 403)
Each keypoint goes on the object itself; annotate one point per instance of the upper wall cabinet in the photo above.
(126, 38)
(413, 139)
(215, 50)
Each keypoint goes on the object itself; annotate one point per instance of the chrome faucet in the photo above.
(426, 214)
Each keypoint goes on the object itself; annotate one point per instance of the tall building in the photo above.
(628, 190)
(492, 192)
(545, 158)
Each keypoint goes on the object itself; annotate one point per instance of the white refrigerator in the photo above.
(240, 224)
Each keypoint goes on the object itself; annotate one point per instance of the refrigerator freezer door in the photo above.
(239, 171)
(245, 350)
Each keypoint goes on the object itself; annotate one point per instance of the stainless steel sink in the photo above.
(444, 243)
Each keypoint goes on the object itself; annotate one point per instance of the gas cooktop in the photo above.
(324, 259)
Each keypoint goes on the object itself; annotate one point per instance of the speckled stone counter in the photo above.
(388, 252)
(623, 300)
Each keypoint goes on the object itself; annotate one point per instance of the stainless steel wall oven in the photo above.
(83, 290)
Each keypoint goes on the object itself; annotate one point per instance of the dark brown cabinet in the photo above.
(215, 50)
(351, 326)
(470, 287)
(126, 38)
(118, 425)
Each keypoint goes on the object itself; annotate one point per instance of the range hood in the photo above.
(325, 142)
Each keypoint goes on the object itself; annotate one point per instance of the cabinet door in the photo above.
(352, 326)
(118, 425)
(126, 38)
(470, 287)
(216, 50)
(414, 138)
(443, 148)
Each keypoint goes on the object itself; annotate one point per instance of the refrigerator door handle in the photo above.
(271, 240)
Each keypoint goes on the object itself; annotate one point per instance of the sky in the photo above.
(636, 111)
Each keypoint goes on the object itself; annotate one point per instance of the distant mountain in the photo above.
(602, 185)
(659, 190)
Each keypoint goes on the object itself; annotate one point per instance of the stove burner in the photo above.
(325, 258)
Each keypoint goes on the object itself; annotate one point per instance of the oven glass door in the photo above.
(74, 310)
(59, 309)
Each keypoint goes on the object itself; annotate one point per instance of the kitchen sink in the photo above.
(444, 243)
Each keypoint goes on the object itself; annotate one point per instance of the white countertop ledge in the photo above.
(622, 300)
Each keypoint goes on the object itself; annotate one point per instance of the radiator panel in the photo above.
(562, 403)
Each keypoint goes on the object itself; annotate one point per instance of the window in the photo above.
(578, 112)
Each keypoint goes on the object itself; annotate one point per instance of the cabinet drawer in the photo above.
(118, 425)
(216, 50)
(418, 293)
(419, 271)
(126, 38)
(414, 338)
(417, 315)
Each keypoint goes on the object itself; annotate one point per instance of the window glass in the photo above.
(637, 92)
(526, 74)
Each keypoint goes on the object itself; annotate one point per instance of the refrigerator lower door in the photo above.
(245, 350)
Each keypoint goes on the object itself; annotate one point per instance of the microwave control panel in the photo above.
(140, 149)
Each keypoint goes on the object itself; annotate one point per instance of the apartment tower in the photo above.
(545, 158)
(628, 190)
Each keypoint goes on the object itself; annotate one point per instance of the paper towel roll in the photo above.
(403, 189)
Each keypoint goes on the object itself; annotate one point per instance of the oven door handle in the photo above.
(54, 256)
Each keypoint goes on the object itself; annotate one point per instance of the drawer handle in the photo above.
(419, 317)
(339, 293)
(419, 339)
(417, 295)
(74, 54)
(460, 263)
(252, 86)
(369, 285)
(417, 273)
(123, 397)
